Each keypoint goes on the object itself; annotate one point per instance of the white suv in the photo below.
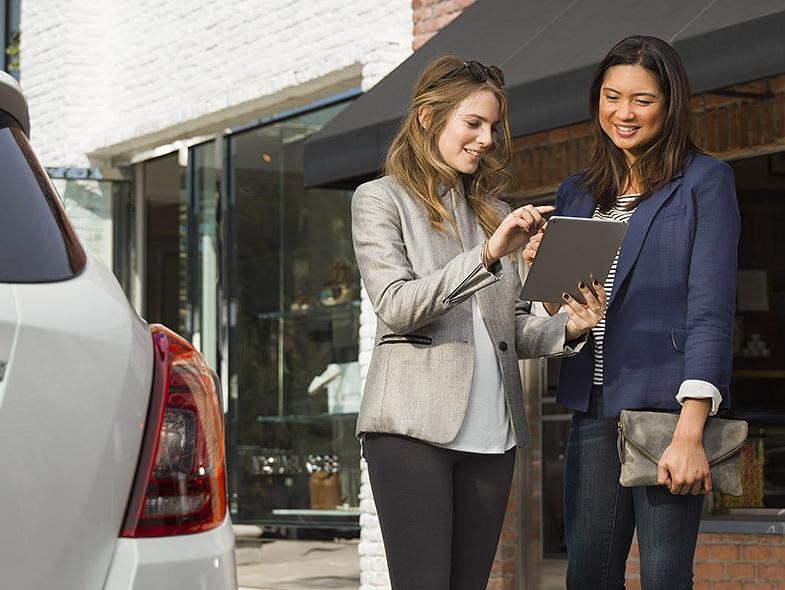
(112, 468)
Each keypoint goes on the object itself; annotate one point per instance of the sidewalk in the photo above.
(302, 565)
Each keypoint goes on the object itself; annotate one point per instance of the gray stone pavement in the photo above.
(299, 565)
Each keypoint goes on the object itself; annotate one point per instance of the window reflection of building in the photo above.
(102, 214)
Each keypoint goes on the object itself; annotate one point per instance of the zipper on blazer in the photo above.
(447, 300)
(405, 339)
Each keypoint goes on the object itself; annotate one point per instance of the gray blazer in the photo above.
(419, 282)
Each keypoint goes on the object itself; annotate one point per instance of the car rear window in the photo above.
(37, 243)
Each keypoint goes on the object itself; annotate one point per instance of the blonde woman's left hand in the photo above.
(584, 316)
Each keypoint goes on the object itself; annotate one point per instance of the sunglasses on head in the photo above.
(482, 73)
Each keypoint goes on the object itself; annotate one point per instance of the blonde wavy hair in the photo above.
(413, 157)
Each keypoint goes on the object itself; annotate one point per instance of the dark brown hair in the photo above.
(608, 172)
(414, 160)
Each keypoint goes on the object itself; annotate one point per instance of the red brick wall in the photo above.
(431, 16)
(730, 127)
(509, 550)
(726, 561)
(726, 126)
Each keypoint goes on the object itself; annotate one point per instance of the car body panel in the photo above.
(81, 361)
(205, 561)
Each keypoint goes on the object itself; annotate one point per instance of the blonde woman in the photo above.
(442, 410)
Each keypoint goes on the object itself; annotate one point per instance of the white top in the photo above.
(486, 427)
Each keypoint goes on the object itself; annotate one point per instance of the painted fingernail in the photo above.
(581, 285)
(565, 296)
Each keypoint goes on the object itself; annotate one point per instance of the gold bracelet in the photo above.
(484, 255)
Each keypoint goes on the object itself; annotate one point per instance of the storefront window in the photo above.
(294, 320)
(167, 226)
(758, 379)
(102, 214)
(9, 36)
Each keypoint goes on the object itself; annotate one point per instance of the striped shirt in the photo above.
(618, 212)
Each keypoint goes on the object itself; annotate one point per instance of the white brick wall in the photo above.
(113, 78)
(373, 562)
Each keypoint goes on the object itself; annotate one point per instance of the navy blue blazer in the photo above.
(670, 314)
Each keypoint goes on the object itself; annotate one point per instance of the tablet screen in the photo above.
(573, 249)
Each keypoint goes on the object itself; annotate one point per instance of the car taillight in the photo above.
(180, 484)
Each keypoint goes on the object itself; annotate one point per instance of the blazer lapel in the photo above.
(636, 232)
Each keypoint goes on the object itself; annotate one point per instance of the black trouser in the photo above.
(441, 511)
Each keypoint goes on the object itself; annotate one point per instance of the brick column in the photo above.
(431, 16)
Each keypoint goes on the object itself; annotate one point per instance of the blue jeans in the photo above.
(600, 515)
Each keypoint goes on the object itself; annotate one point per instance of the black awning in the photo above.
(548, 51)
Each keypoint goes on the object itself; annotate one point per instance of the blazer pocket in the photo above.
(678, 336)
(405, 339)
(672, 212)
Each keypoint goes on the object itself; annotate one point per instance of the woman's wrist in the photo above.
(571, 332)
(487, 258)
(692, 420)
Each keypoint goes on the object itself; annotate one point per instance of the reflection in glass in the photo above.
(294, 300)
(102, 214)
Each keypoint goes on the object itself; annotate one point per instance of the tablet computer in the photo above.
(573, 249)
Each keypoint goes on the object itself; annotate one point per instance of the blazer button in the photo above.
(502, 346)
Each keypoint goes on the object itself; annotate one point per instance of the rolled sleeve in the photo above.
(697, 389)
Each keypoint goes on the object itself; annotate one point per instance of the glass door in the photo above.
(542, 479)
(166, 243)
(293, 293)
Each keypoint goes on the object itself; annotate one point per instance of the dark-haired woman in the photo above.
(665, 342)
(442, 409)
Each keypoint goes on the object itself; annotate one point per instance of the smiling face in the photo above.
(469, 131)
(632, 108)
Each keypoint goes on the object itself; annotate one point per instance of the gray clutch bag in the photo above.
(644, 436)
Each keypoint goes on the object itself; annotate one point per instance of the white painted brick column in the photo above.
(390, 49)
(373, 561)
